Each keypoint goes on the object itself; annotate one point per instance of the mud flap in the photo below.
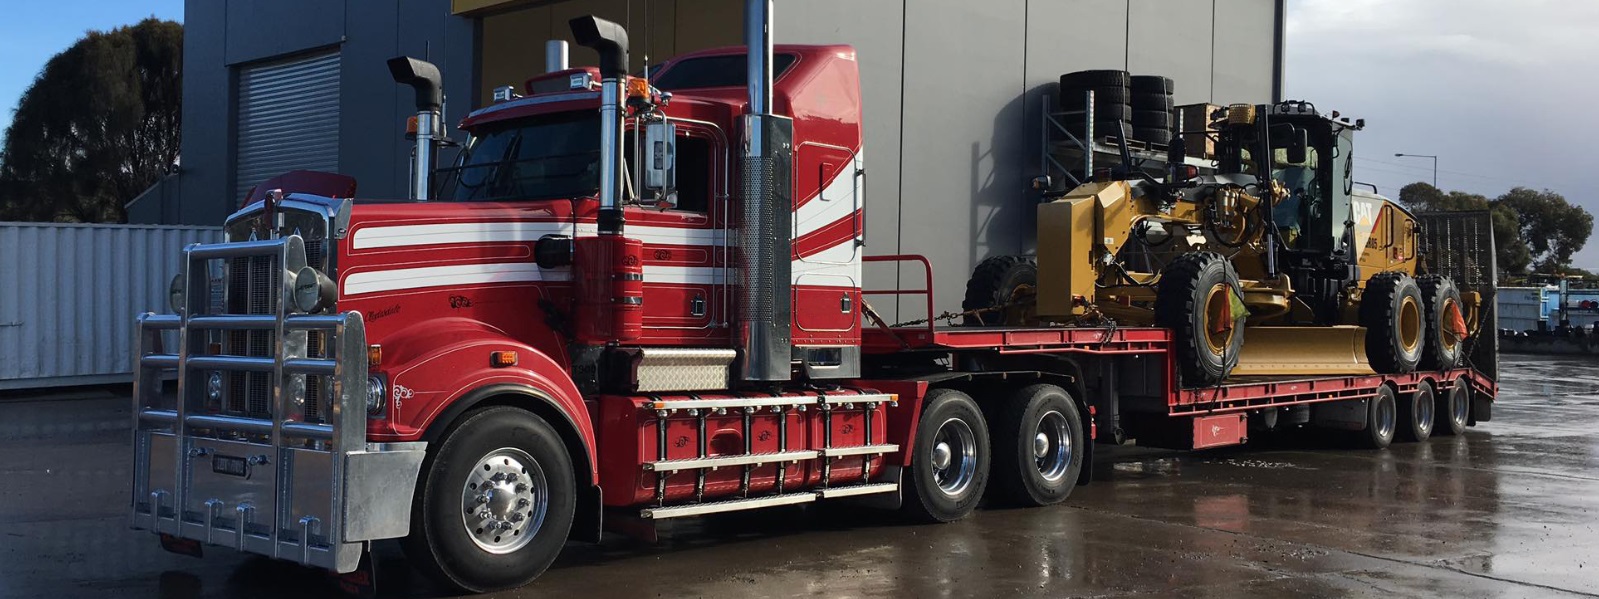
(363, 582)
(189, 547)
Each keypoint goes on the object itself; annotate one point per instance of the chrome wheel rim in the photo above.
(1385, 419)
(954, 456)
(1459, 407)
(1052, 446)
(504, 500)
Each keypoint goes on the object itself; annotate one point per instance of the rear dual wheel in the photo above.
(1416, 414)
(950, 458)
(1038, 446)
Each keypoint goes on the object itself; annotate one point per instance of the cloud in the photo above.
(1500, 91)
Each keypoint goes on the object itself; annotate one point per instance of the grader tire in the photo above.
(1441, 298)
(1192, 299)
(995, 283)
(1391, 310)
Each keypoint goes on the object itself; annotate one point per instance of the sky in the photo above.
(1502, 92)
(32, 32)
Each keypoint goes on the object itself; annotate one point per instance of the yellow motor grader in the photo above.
(1277, 246)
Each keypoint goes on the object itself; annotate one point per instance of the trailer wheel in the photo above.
(1416, 414)
(998, 281)
(495, 504)
(950, 459)
(1454, 410)
(1038, 446)
(1444, 344)
(1194, 299)
(1382, 419)
(1391, 310)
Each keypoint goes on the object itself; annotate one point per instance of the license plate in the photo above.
(230, 465)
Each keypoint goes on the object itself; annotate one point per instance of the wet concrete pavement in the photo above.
(1508, 510)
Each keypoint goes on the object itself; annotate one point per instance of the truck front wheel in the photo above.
(495, 503)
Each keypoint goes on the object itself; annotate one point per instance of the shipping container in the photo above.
(69, 293)
(1520, 308)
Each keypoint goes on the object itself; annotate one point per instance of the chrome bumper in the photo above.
(308, 492)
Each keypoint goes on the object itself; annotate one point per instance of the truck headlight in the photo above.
(374, 396)
(175, 294)
(213, 387)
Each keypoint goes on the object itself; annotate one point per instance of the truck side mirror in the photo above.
(660, 158)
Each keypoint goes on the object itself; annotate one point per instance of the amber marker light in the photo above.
(374, 355)
(501, 359)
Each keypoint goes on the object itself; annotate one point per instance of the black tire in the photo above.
(1159, 136)
(1152, 84)
(1023, 477)
(1453, 411)
(936, 494)
(1391, 310)
(1382, 420)
(1073, 98)
(1160, 102)
(1442, 350)
(1152, 119)
(995, 282)
(1416, 416)
(1096, 78)
(1186, 302)
(441, 543)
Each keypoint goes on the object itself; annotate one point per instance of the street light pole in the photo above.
(1434, 165)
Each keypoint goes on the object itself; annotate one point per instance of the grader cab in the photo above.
(1276, 246)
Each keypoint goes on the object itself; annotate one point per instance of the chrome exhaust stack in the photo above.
(555, 56)
(610, 40)
(423, 77)
(765, 243)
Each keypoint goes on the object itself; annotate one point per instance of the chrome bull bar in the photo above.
(309, 492)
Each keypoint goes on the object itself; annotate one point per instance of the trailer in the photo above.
(632, 301)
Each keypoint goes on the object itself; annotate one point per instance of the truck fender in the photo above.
(449, 374)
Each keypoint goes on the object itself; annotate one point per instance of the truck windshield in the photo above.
(554, 156)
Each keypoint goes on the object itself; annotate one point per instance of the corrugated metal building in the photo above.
(69, 295)
(952, 90)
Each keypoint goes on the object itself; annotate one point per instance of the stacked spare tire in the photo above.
(1140, 106)
(1154, 114)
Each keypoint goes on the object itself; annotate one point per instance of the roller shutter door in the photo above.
(288, 119)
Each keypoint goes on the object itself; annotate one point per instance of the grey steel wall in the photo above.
(223, 35)
(69, 295)
(953, 89)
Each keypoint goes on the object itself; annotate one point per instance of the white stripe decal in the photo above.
(450, 276)
(836, 201)
(512, 232)
(807, 274)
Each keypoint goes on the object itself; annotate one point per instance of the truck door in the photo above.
(685, 246)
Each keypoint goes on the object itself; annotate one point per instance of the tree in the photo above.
(1553, 228)
(98, 126)
(1512, 253)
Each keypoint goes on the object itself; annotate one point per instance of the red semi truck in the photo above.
(631, 301)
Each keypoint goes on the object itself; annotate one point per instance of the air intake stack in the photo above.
(764, 244)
